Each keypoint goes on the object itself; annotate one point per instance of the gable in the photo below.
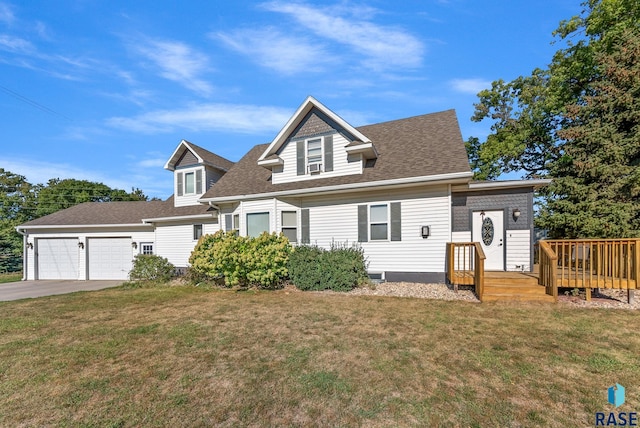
(187, 159)
(314, 124)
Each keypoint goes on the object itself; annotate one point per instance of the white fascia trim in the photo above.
(178, 218)
(305, 108)
(366, 149)
(79, 226)
(269, 163)
(452, 178)
(175, 152)
(508, 184)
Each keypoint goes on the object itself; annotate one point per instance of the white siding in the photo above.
(461, 236)
(342, 165)
(175, 241)
(336, 220)
(518, 249)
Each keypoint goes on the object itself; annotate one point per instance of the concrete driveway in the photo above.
(28, 289)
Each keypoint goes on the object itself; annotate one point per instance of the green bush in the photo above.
(242, 261)
(341, 268)
(150, 267)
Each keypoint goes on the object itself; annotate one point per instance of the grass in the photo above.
(182, 356)
(10, 277)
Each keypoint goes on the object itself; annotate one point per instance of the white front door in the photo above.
(488, 230)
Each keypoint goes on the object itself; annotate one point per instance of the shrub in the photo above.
(341, 268)
(150, 267)
(240, 260)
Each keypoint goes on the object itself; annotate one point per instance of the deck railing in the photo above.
(465, 265)
(547, 275)
(590, 263)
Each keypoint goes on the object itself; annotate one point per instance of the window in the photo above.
(197, 231)
(257, 223)
(378, 222)
(189, 183)
(146, 248)
(290, 225)
(314, 154)
(236, 221)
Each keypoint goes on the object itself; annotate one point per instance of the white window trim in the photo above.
(193, 230)
(247, 214)
(388, 222)
(184, 178)
(142, 245)
(235, 221)
(306, 154)
(297, 226)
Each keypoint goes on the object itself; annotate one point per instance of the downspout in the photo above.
(25, 237)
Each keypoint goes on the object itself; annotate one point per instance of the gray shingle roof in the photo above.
(112, 213)
(211, 158)
(424, 145)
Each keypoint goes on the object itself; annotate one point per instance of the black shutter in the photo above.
(301, 158)
(198, 181)
(228, 218)
(304, 226)
(180, 185)
(363, 224)
(328, 153)
(396, 222)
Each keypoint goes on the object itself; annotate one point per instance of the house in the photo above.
(401, 189)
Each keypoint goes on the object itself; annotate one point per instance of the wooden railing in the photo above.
(465, 265)
(547, 260)
(590, 263)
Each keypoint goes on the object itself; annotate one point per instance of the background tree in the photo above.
(576, 122)
(15, 194)
(61, 194)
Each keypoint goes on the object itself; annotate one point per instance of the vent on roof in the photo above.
(314, 168)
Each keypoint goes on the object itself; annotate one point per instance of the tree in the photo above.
(577, 122)
(61, 194)
(15, 194)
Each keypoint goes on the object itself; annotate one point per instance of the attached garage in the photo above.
(57, 258)
(109, 258)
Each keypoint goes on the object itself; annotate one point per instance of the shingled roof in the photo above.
(419, 146)
(116, 213)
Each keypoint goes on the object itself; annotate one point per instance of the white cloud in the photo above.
(178, 62)
(151, 163)
(378, 47)
(6, 14)
(469, 86)
(15, 44)
(272, 49)
(246, 119)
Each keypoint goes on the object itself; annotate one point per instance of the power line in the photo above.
(32, 102)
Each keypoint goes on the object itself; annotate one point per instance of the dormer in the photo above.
(195, 170)
(316, 143)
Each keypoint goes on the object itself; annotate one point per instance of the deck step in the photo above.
(508, 297)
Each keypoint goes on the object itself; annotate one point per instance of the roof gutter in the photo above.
(76, 226)
(147, 221)
(452, 178)
(507, 184)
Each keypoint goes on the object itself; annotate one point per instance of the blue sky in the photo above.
(105, 90)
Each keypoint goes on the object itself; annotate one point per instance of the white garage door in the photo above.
(109, 258)
(57, 258)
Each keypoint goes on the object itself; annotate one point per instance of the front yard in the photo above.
(182, 356)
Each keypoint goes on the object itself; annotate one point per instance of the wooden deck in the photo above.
(513, 286)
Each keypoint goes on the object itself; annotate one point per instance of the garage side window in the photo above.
(146, 248)
(197, 231)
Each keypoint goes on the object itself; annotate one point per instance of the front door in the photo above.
(488, 230)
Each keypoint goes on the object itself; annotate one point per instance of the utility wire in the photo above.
(32, 102)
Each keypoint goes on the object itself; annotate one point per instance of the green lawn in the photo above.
(183, 356)
(10, 277)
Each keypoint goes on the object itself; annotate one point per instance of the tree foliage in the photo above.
(578, 122)
(20, 202)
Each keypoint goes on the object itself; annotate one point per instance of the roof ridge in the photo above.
(408, 118)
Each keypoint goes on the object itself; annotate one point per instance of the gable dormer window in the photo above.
(189, 183)
(314, 155)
